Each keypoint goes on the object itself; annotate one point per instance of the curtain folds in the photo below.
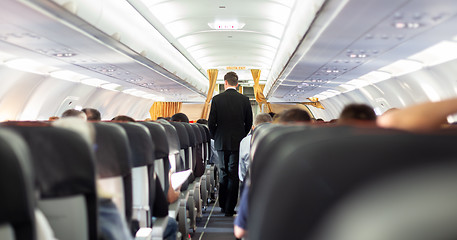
(258, 91)
(212, 75)
(164, 109)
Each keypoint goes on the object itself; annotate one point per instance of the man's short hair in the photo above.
(231, 78)
(92, 114)
(74, 113)
(202, 121)
(294, 115)
(262, 118)
(358, 112)
(123, 118)
(180, 117)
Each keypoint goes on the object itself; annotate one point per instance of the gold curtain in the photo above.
(314, 102)
(212, 74)
(164, 109)
(258, 90)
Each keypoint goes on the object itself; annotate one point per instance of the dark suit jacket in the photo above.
(230, 119)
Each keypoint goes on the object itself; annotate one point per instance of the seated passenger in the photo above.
(112, 225)
(74, 113)
(92, 114)
(240, 225)
(357, 114)
(122, 118)
(179, 117)
(245, 147)
(294, 116)
(421, 117)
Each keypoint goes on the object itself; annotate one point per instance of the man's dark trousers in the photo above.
(228, 180)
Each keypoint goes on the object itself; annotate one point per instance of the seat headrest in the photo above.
(182, 134)
(113, 154)
(191, 134)
(16, 185)
(325, 165)
(158, 134)
(172, 137)
(197, 133)
(202, 132)
(141, 146)
(63, 160)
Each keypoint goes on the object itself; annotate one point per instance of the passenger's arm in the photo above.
(238, 231)
(421, 117)
(248, 116)
(172, 195)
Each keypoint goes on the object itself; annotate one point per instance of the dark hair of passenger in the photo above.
(231, 78)
(262, 118)
(357, 112)
(294, 115)
(202, 121)
(179, 117)
(92, 114)
(123, 118)
(72, 113)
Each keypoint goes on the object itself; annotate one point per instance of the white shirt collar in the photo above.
(231, 88)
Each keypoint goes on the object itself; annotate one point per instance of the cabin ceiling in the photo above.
(163, 48)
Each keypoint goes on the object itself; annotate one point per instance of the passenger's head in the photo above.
(92, 114)
(122, 118)
(294, 116)
(262, 118)
(180, 117)
(357, 113)
(53, 118)
(202, 121)
(83, 128)
(74, 113)
(231, 79)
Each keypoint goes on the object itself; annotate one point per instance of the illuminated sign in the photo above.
(236, 68)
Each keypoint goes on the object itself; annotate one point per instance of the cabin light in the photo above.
(439, 53)
(78, 107)
(28, 65)
(402, 67)
(111, 86)
(229, 25)
(375, 76)
(138, 93)
(67, 75)
(348, 87)
(130, 90)
(358, 83)
(64, 54)
(93, 82)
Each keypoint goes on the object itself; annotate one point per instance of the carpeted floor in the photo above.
(214, 225)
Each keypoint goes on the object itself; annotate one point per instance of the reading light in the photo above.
(28, 65)
(111, 86)
(67, 75)
(230, 25)
(93, 82)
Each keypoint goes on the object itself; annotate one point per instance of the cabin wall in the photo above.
(31, 96)
(428, 84)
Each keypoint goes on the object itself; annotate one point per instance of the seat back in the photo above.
(161, 163)
(65, 178)
(325, 166)
(200, 164)
(16, 180)
(142, 150)
(114, 165)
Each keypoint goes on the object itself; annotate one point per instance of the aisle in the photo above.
(214, 225)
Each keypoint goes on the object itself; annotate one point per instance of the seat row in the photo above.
(56, 171)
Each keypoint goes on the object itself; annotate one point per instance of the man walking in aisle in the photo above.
(230, 120)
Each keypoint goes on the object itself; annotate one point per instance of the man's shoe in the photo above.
(230, 214)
